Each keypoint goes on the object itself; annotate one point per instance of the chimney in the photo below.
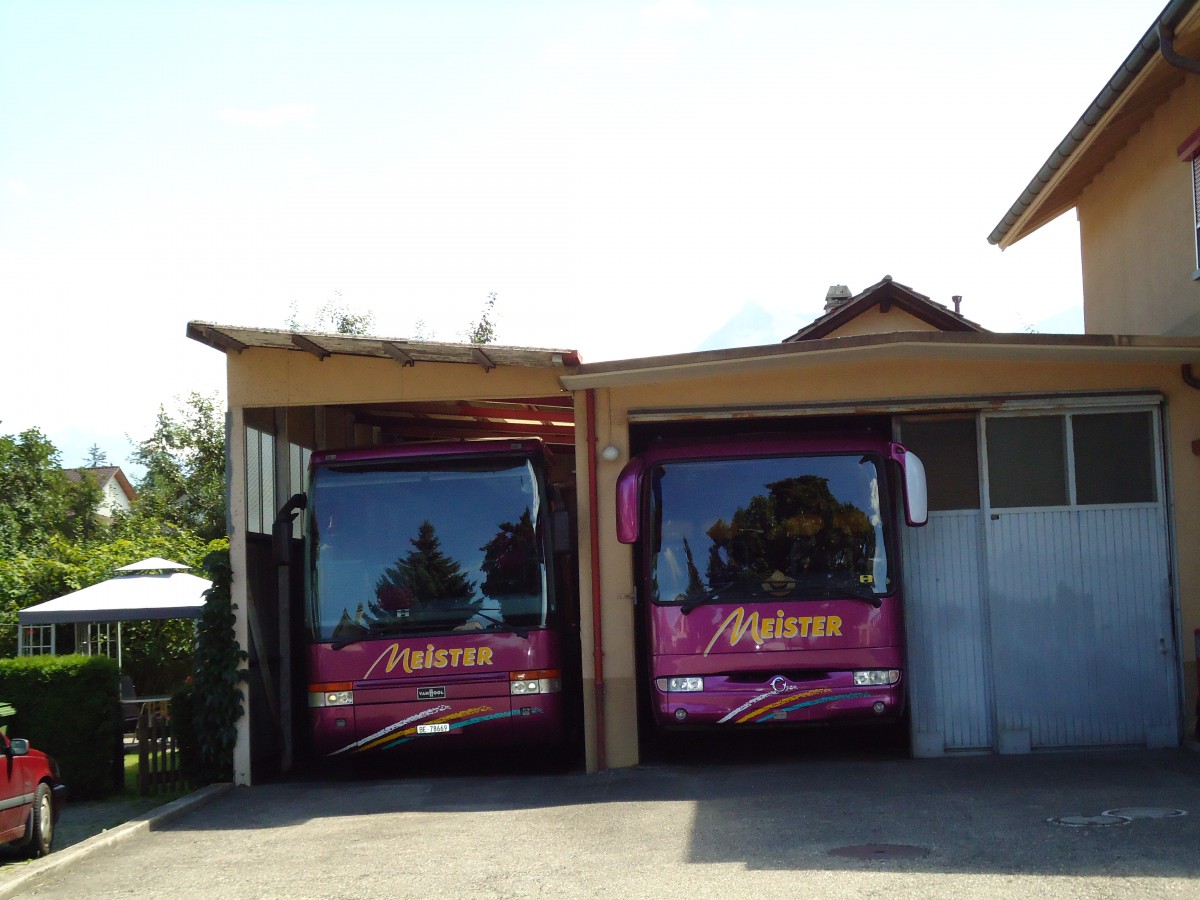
(957, 298)
(837, 295)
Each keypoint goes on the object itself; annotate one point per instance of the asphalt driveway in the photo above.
(811, 827)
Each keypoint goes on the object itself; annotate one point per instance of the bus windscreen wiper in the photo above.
(837, 592)
(712, 595)
(392, 628)
(373, 631)
(499, 623)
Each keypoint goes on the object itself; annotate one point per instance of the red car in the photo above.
(31, 797)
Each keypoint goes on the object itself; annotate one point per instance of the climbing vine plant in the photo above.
(216, 695)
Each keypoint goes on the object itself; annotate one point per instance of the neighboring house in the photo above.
(1130, 167)
(885, 307)
(117, 493)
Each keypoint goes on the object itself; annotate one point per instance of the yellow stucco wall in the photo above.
(265, 377)
(619, 663)
(882, 381)
(1137, 232)
(875, 322)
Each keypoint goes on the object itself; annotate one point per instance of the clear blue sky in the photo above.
(626, 177)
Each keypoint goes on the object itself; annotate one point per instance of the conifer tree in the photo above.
(426, 578)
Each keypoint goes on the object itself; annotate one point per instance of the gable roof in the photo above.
(1139, 86)
(103, 475)
(883, 295)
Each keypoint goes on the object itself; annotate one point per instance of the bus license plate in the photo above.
(439, 728)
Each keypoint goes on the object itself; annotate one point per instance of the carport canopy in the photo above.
(154, 588)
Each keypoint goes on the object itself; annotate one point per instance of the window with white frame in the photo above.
(1078, 459)
(260, 481)
(96, 639)
(261, 500)
(37, 640)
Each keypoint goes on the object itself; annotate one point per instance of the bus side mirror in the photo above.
(629, 488)
(916, 491)
(281, 530)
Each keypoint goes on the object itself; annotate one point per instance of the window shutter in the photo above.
(1196, 203)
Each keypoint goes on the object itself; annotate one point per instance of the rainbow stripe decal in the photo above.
(406, 729)
(789, 704)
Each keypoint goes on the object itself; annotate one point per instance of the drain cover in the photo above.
(1145, 812)
(1101, 821)
(881, 851)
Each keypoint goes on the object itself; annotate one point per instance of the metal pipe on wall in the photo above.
(594, 544)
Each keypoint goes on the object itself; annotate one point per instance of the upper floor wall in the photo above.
(1125, 168)
(1138, 233)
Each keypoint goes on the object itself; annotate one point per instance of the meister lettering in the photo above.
(737, 623)
(412, 660)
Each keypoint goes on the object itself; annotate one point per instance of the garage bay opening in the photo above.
(768, 576)
(438, 600)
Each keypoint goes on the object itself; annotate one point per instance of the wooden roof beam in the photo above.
(310, 346)
(483, 359)
(218, 339)
(467, 410)
(398, 353)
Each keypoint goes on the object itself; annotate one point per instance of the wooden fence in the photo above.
(159, 770)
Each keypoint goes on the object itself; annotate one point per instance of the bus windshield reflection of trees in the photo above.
(767, 528)
(404, 550)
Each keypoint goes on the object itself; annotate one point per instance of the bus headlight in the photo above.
(542, 681)
(338, 694)
(876, 677)
(680, 684)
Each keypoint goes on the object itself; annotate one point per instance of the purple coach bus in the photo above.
(768, 579)
(433, 612)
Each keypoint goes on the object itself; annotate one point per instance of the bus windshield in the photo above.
(781, 528)
(425, 547)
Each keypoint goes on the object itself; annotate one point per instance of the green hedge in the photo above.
(68, 706)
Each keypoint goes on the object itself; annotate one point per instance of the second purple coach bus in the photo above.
(768, 577)
(437, 594)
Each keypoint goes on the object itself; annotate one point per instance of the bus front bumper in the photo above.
(424, 725)
(729, 701)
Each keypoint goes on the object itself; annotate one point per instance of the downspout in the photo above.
(1166, 46)
(594, 539)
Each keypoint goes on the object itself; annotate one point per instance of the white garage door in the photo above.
(1040, 611)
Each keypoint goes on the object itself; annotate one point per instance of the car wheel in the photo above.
(40, 828)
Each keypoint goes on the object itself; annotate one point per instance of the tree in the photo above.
(510, 559)
(512, 568)
(483, 331)
(424, 579)
(96, 457)
(63, 564)
(35, 496)
(184, 459)
(52, 542)
(84, 497)
(797, 527)
(334, 316)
